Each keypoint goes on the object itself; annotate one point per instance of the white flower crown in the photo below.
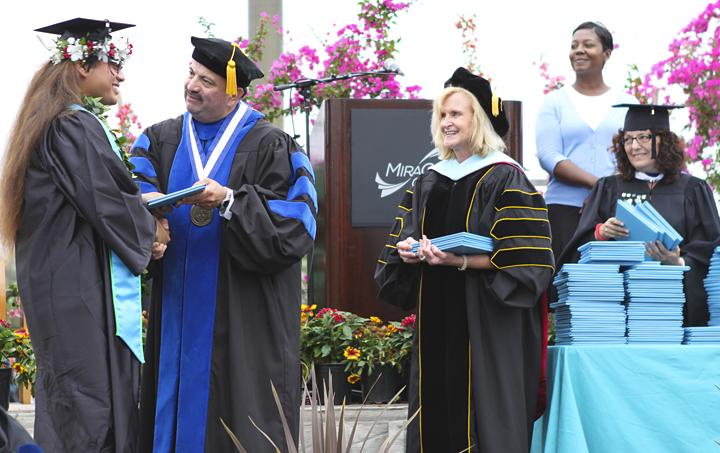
(82, 49)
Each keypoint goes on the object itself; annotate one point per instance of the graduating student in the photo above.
(650, 159)
(225, 312)
(82, 236)
(476, 366)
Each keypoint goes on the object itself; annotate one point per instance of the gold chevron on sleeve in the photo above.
(520, 227)
(522, 257)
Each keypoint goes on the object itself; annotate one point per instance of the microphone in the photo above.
(298, 84)
(392, 68)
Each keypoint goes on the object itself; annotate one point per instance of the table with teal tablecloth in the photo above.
(631, 398)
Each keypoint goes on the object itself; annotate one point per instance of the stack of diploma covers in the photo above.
(702, 335)
(710, 334)
(461, 244)
(655, 300)
(590, 304)
(645, 224)
(625, 253)
(712, 287)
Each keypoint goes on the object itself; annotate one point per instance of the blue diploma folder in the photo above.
(461, 243)
(646, 224)
(174, 197)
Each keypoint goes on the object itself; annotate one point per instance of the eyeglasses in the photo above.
(115, 68)
(642, 139)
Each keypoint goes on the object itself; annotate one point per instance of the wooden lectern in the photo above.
(365, 154)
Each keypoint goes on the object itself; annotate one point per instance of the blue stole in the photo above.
(190, 274)
(126, 287)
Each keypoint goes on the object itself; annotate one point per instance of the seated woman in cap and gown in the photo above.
(82, 236)
(476, 366)
(650, 159)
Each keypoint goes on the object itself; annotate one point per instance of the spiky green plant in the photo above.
(327, 435)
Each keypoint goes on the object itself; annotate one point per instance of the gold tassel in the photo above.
(231, 74)
(495, 105)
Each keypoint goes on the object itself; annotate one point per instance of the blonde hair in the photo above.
(483, 138)
(52, 89)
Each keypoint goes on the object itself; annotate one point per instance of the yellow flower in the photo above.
(351, 353)
(21, 333)
(391, 330)
(306, 311)
(353, 378)
(375, 319)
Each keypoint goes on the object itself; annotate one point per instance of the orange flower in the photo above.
(351, 353)
(353, 378)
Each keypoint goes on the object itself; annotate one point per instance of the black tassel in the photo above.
(653, 153)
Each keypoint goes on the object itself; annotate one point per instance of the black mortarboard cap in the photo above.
(480, 88)
(79, 27)
(647, 116)
(654, 117)
(217, 55)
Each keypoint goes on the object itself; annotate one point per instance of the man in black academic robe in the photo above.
(477, 361)
(225, 310)
(687, 203)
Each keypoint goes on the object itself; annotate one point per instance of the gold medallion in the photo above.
(200, 216)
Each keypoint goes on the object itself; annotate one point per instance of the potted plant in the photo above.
(327, 340)
(384, 351)
(15, 354)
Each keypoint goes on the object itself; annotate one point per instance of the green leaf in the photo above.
(325, 350)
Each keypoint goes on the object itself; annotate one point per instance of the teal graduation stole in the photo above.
(126, 287)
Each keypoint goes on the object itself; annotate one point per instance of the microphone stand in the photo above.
(304, 87)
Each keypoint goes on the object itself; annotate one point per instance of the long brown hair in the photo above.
(53, 88)
(670, 156)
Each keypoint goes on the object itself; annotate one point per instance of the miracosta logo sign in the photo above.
(398, 174)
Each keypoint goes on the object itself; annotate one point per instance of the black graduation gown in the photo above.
(687, 204)
(12, 433)
(477, 359)
(257, 319)
(79, 200)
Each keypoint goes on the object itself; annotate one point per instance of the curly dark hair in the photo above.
(670, 155)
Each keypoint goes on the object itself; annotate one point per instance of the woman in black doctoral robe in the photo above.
(78, 224)
(650, 159)
(477, 359)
